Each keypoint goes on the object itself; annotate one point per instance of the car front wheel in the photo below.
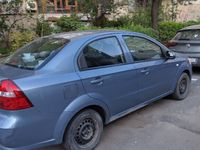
(84, 131)
(182, 87)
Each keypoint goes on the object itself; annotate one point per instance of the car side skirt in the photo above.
(122, 114)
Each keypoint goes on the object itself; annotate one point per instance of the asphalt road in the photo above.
(163, 125)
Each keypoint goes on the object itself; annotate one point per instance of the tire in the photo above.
(182, 87)
(84, 131)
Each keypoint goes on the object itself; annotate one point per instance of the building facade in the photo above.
(186, 10)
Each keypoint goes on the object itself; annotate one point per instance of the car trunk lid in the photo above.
(9, 72)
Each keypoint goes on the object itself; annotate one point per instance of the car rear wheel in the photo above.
(84, 131)
(182, 87)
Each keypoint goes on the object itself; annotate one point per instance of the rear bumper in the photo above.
(24, 134)
(30, 147)
(191, 55)
(197, 63)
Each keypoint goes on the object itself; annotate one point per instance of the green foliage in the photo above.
(167, 30)
(93, 8)
(43, 28)
(69, 23)
(134, 28)
(19, 39)
(3, 50)
(142, 17)
(138, 28)
(122, 21)
(191, 22)
(83, 28)
(7, 25)
(3, 25)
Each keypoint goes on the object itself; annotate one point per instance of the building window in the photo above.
(71, 2)
(58, 6)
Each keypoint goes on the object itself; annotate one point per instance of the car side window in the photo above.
(100, 53)
(142, 49)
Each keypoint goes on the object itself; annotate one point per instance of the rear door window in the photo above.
(102, 52)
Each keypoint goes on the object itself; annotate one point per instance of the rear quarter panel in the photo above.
(50, 94)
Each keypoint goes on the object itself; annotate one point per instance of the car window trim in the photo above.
(81, 52)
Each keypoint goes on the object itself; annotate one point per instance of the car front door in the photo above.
(105, 74)
(156, 72)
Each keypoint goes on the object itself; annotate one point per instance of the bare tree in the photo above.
(11, 13)
(96, 10)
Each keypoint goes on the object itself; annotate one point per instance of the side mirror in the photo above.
(170, 55)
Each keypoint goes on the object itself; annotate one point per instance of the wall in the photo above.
(189, 11)
(186, 11)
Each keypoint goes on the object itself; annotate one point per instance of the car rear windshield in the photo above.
(190, 35)
(34, 54)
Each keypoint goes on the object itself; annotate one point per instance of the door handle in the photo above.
(98, 81)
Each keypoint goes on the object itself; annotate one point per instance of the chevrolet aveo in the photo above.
(64, 88)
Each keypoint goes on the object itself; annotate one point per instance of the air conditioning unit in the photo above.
(31, 5)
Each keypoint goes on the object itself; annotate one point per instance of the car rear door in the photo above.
(106, 74)
(156, 72)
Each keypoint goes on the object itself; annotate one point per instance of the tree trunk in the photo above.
(7, 41)
(144, 3)
(154, 13)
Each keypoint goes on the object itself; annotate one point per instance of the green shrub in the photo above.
(122, 21)
(19, 39)
(83, 28)
(142, 17)
(138, 28)
(134, 28)
(3, 50)
(192, 22)
(167, 30)
(69, 23)
(43, 28)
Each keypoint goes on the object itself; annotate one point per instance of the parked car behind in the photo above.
(187, 43)
(64, 88)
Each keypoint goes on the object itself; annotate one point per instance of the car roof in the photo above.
(194, 27)
(89, 33)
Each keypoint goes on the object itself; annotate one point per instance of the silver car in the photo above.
(187, 43)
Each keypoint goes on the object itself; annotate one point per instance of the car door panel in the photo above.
(158, 80)
(156, 72)
(116, 88)
(115, 84)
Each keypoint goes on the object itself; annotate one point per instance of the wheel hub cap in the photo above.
(85, 132)
(183, 86)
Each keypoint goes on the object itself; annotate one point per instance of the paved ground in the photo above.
(163, 125)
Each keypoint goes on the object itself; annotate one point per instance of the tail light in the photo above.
(11, 97)
(170, 44)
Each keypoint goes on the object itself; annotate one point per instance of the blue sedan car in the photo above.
(64, 88)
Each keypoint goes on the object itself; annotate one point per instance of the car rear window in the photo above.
(34, 54)
(190, 35)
